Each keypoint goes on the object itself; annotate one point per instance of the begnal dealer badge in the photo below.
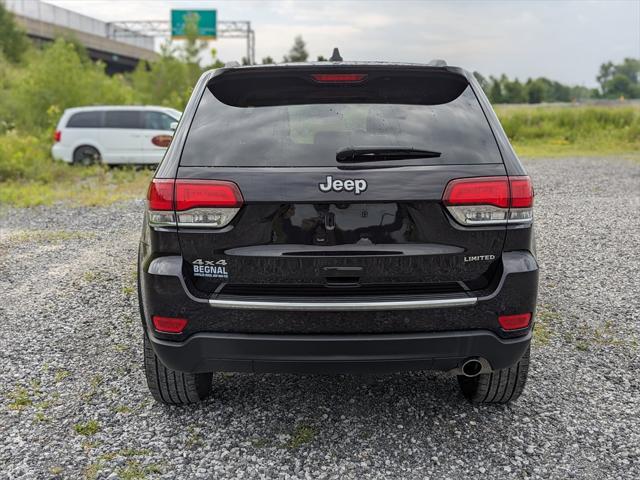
(210, 268)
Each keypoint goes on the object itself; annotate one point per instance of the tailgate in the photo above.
(290, 237)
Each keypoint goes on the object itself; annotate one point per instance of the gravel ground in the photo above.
(73, 400)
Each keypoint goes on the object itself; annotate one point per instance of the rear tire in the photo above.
(170, 386)
(86, 155)
(500, 386)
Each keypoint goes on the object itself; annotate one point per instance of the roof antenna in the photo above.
(335, 56)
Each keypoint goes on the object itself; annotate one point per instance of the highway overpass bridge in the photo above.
(44, 22)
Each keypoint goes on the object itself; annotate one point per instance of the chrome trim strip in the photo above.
(341, 306)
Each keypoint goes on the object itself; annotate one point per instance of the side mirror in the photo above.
(173, 125)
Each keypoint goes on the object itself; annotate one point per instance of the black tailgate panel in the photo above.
(290, 232)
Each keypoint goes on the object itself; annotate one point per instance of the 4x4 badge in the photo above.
(355, 185)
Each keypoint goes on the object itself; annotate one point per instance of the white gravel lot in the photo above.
(74, 403)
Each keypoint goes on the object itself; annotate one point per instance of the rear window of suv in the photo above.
(285, 117)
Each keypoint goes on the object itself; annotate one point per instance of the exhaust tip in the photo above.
(471, 368)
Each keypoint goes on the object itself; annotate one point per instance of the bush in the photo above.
(25, 157)
(57, 78)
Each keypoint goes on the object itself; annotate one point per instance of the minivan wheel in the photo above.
(500, 386)
(86, 155)
(170, 386)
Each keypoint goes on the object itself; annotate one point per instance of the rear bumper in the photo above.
(438, 336)
(60, 152)
(446, 351)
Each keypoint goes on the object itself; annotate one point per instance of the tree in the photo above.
(267, 60)
(621, 86)
(536, 90)
(77, 45)
(514, 91)
(620, 80)
(495, 92)
(13, 41)
(298, 52)
(321, 58)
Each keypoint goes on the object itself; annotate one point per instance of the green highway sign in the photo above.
(207, 23)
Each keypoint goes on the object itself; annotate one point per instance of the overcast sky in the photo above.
(562, 40)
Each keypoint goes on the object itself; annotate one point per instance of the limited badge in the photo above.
(479, 258)
(210, 268)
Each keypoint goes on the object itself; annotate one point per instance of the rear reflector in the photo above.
(57, 136)
(193, 203)
(339, 77)
(514, 322)
(169, 324)
(490, 200)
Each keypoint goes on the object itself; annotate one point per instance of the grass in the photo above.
(545, 319)
(55, 470)
(586, 337)
(258, 442)
(20, 399)
(133, 470)
(302, 435)
(130, 471)
(100, 187)
(60, 375)
(87, 429)
(94, 388)
(41, 417)
(46, 236)
(572, 130)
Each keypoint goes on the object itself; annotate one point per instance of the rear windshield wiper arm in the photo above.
(379, 154)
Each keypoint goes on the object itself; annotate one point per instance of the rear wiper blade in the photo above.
(379, 154)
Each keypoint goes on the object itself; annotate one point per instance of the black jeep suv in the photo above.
(338, 217)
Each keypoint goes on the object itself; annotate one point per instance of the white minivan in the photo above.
(114, 134)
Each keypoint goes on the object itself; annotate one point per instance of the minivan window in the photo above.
(91, 119)
(123, 119)
(291, 122)
(157, 121)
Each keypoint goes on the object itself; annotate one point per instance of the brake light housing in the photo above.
(478, 201)
(339, 77)
(193, 203)
(57, 136)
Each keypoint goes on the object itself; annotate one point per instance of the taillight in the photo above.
(339, 77)
(193, 203)
(169, 324)
(57, 136)
(490, 200)
(514, 322)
